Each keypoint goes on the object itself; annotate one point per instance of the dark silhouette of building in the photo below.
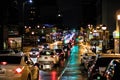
(106, 13)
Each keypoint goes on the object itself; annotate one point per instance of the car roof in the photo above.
(116, 60)
(108, 55)
(12, 54)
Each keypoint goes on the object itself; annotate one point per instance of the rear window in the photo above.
(58, 50)
(35, 49)
(5, 51)
(46, 53)
(11, 59)
(103, 62)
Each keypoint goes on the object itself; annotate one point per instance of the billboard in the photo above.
(15, 42)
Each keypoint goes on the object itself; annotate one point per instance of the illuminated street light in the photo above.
(32, 32)
(104, 28)
(23, 8)
(22, 24)
(30, 1)
(95, 44)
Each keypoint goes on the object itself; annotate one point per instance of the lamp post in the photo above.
(22, 19)
(118, 18)
(95, 43)
(23, 8)
(104, 40)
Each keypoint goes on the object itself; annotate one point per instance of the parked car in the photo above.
(66, 49)
(60, 53)
(99, 66)
(47, 59)
(7, 51)
(112, 72)
(34, 52)
(18, 51)
(111, 51)
(17, 67)
(87, 59)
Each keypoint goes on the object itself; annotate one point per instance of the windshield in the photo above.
(46, 53)
(58, 50)
(11, 59)
(5, 51)
(35, 49)
(103, 62)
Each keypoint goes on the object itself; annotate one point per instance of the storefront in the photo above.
(15, 42)
(116, 37)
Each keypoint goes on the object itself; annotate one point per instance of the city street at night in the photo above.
(60, 40)
(70, 69)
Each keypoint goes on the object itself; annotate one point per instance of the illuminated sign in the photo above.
(116, 34)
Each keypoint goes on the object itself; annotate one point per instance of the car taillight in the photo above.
(37, 53)
(53, 56)
(38, 56)
(53, 75)
(62, 53)
(3, 63)
(18, 70)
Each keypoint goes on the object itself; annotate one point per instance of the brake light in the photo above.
(62, 53)
(53, 56)
(18, 70)
(53, 75)
(38, 56)
(3, 63)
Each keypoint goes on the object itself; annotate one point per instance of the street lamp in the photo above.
(23, 8)
(95, 43)
(22, 19)
(104, 40)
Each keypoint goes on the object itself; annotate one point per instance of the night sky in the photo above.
(74, 12)
(78, 12)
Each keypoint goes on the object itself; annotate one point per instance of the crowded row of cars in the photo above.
(47, 58)
(17, 66)
(103, 66)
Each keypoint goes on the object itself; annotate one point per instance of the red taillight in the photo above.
(3, 63)
(53, 56)
(53, 75)
(18, 70)
(38, 56)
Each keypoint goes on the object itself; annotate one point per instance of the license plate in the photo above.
(46, 57)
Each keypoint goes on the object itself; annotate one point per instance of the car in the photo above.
(111, 51)
(87, 59)
(34, 52)
(66, 48)
(60, 53)
(47, 59)
(17, 67)
(100, 64)
(7, 51)
(18, 51)
(112, 72)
